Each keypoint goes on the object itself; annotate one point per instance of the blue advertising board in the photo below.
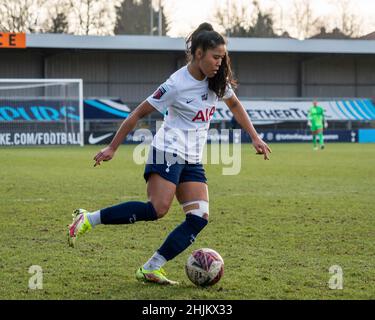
(230, 136)
(366, 135)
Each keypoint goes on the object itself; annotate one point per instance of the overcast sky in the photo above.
(186, 15)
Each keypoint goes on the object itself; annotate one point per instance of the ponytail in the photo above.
(205, 37)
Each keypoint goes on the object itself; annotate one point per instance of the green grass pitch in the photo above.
(279, 225)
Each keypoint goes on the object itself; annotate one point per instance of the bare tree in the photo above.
(304, 20)
(347, 21)
(57, 17)
(235, 20)
(21, 15)
(242, 23)
(94, 17)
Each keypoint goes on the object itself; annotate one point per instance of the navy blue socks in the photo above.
(182, 237)
(128, 212)
(176, 242)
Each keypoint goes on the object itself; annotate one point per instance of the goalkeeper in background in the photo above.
(316, 122)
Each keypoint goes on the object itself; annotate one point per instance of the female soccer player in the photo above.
(174, 167)
(316, 122)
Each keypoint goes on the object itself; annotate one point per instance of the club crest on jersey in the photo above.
(204, 97)
(159, 93)
(204, 115)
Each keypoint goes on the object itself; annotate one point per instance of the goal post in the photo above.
(41, 112)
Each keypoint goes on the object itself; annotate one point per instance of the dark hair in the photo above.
(205, 37)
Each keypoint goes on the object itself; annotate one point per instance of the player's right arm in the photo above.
(144, 109)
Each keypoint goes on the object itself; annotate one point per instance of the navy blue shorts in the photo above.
(176, 171)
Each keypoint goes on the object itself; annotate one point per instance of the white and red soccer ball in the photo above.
(204, 267)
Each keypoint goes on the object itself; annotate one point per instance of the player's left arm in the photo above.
(325, 123)
(243, 119)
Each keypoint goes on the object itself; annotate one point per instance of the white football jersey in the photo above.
(188, 106)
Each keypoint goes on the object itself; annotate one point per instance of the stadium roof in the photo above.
(370, 36)
(156, 43)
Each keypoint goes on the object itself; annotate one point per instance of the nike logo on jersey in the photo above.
(204, 115)
(95, 140)
(189, 101)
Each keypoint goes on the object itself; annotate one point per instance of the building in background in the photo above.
(129, 68)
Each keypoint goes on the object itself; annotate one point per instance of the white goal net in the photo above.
(41, 112)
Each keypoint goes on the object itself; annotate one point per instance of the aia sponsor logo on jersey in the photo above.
(204, 115)
(159, 93)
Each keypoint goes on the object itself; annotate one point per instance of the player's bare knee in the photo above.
(161, 208)
(198, 208)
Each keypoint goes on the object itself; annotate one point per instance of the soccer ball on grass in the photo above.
(204, 267)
